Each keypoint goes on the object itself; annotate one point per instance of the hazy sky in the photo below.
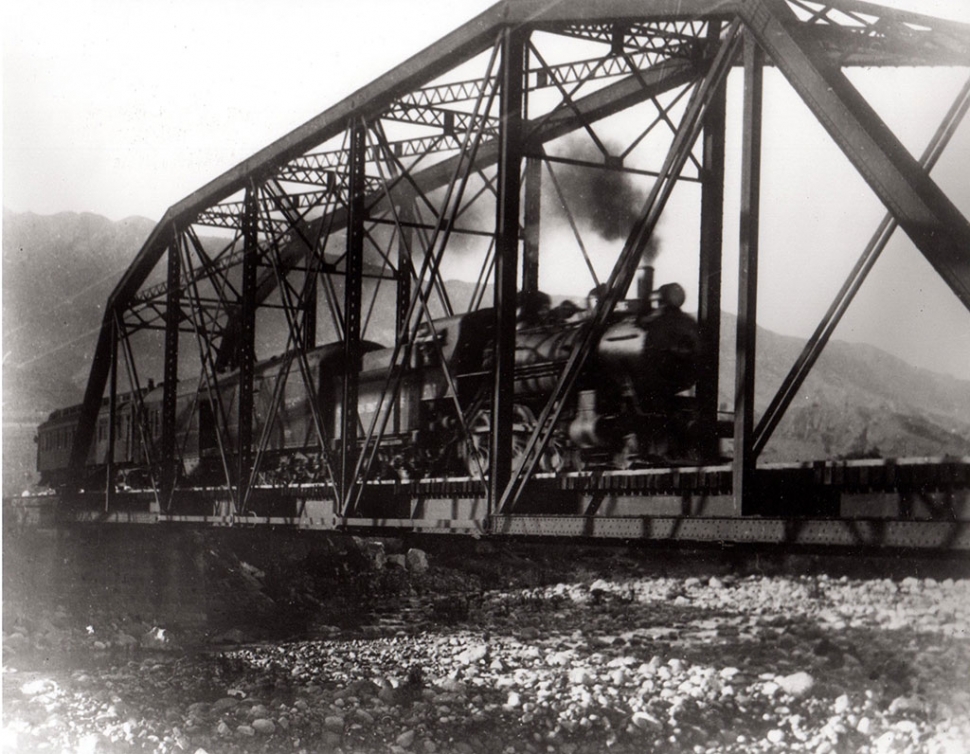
(123, 108)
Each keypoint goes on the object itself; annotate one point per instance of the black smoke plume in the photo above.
(604, 199)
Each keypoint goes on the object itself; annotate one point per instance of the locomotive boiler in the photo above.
(632, 403)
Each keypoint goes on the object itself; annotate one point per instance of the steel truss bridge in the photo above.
(363, 208)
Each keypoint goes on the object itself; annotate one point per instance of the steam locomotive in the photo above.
(632, 404)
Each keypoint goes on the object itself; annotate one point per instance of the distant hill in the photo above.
(58, 271)
(858, 400)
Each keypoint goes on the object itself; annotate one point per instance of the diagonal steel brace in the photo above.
(920, 207)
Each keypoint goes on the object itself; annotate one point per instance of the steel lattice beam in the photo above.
(600, 104)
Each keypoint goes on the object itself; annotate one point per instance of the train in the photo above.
(633, 403)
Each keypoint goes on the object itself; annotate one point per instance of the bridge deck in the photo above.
(919, 503)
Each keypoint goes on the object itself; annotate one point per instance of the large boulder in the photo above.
(417, 561)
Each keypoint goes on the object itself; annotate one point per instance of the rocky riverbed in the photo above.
(599, 651)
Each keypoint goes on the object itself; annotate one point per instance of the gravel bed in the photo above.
(608, 660)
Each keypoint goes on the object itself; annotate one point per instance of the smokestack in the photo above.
(645, 289)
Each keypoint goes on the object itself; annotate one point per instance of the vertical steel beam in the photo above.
(352, 306)
(405, 267)
(405, 271)
(173, 318)
(709, 279)
(247, 342)
(310, 311)
(533, 197)
(744, 459)
(112, 416)
(93, 394)
(506, 259)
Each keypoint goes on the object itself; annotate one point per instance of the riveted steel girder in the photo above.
(173, 321)
(352, 304)
(246, 345)
(510, 157)
(709, 277)
(744, 381)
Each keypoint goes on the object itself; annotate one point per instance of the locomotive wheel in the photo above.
(553, 457)
(391, 466)
(577, 461)
(626, 455)
(477, 456)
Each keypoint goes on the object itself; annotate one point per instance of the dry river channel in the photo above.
(500, 648)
